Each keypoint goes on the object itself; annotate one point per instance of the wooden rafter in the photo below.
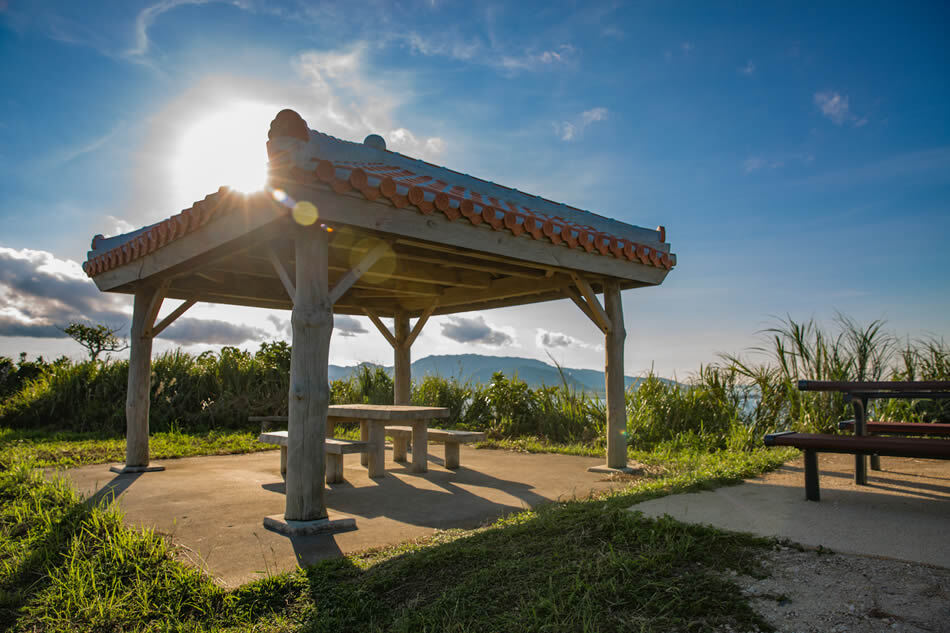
(174, 314)
(597, 310)
(417, 329)
(282, 273)
(380, 326)
(353, 275)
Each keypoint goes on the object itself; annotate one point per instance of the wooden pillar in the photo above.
(140, 381)
(312, 321)
(616, 405)
(403, 359)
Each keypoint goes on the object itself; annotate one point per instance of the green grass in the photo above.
(64, 449)
(583, 565)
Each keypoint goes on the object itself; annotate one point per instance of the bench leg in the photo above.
(875, 462)
(452, 455)
(364, 437)
(861, 470)
(334, 468)
(400, 446)
(812, 493)
(420, 447)
(283, 462)
(376, 458)
(331, 428)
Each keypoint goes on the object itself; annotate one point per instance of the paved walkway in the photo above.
(904, 513)
(214, 505)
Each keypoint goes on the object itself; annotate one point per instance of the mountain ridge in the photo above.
(477, 368)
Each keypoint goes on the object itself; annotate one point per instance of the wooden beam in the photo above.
(581, 303)
(417, 329)
(593, 303)
(351, 277)
(154, 306)
(309, 386)
(381, 327)
(139, 380)
(243, 222)
(614, 379)
(435, 231)
(282, 273)
(402, 359)
(177, 312)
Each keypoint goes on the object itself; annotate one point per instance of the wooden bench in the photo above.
(451, 438)
(335, 450)
(814, 443)
(900, 428)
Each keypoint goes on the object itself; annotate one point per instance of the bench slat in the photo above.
(333, 445)
(863, 445)
(908, 428)
(442, 435)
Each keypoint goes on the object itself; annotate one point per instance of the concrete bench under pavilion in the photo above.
(352, 228)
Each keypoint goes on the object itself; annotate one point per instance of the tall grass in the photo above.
(730, 403)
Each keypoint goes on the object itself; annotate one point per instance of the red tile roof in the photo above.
(308, 156)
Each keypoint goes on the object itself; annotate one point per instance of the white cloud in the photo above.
(343, 325)
(748, 69)
(570, 130)
(549, 339)
(40, 294)
(837, 108)
(475, 330)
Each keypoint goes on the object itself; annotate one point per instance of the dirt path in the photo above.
(814, 591)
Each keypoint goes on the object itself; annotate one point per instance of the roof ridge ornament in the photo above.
(289, 123)
(375, 141)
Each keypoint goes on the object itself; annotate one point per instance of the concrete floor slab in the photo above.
(215, 506)
(904, 513)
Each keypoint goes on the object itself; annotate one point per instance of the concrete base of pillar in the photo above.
(122, 469)
(278, 524)
(607, 470)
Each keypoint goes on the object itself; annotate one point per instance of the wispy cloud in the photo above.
(571, 130)
(71, 153)
(748, 69)
(491, 53)
(145, 19)
(837, 108)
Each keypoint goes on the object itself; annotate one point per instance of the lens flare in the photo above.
(305, 213)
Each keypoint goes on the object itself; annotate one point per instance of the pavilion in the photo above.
(353, 228)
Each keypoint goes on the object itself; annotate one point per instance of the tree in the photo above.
(96, 338)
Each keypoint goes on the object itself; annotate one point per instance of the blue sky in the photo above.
(799, 157)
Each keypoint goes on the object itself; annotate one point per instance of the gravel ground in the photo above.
(815, 591)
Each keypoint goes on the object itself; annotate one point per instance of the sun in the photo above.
(225, 147)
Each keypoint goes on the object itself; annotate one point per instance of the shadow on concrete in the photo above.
(453, 505)
(310, 550)
(111, 490)
(877, 478)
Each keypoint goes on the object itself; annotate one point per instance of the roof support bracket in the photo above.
(282, 273)
(351, 277)
(413, 335)
(168, 320)
(380, 326)
(154, 306)
(589, 303)
(420, 323)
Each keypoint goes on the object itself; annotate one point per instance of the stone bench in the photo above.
(451, 438)
(335, 450)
